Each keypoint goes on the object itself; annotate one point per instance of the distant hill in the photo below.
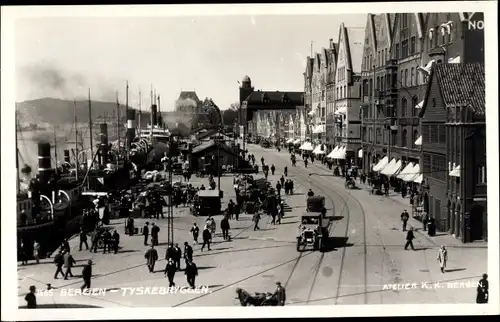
(57, 111)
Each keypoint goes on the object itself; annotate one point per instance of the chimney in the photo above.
(130, 126)
(154, 114)
(44, 163)
(66, 156)
(104, 144)
(331, 43)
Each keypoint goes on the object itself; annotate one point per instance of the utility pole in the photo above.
(373, 115)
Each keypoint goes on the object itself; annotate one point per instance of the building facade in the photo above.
(348, 91)
(454, 150)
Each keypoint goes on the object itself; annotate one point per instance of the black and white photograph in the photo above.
(172, 157)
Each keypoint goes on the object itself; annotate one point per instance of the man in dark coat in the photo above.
(145, 233)
(310, 193)
(87, 275)
(116, 241)
(404, 219)
(191, 272)
(106, 239)
(30, 298)
(483, 290)
(195, 231)
(206, 235)
(154, 234)
(230, 208)
(273, 168)
(169, 253)
(69, 261)
(151, 258)
(83, 239)
(280, 294)
(177, 256)
(224, 226)
(170, 270)
(59, 261)
(65, 246)
(278, 188)
(188, 252)
(95, 241)
(409, 239)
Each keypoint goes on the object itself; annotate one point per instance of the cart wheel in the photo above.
(100, 244)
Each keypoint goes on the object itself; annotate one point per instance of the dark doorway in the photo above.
(476, 222)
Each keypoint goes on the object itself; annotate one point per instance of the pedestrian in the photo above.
(36, 251)
(145, 233)
(282, 181)
(170, 270)
(59, 261)
(95, 241)
(224, 226)
(207, 236)
(230, 208)
(442, 257)
(116, 241)
(482, 290)
(30, 298)
(83, 239)
(425, 220)
(278, 188)
(195, 231)
(409, 239)
(177, 256)
(151, 258)
(256, 219)
(191, 273)
(87, 275)
(65, 245)
(280, 294)
(169, 253)
(69, 261)
(273, 168)
(286, 171)
(106, 239)
(404, 219)
(154, 234)
(310, 193)
(188, 252)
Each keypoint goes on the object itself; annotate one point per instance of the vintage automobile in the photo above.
(315, 203)
(207, 202)
(313, 232)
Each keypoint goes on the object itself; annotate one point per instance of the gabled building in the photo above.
(454, 150)
(331, 66)
(377, 98)
(348, 92)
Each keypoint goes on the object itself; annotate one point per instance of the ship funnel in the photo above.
(104, 144)
(130, 127)
(66, 156)
(154, 114)
(160, 121)
(44, 163)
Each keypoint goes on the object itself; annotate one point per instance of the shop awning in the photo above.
(340, 153)
(289, 141)
(307, 146)
(414, 174)
(455, 172)
(296, 141)
(332, 154)
(381, 164)
(392, 168)
(419, 141)
(406, 171)
(419, 105)
(311, 113)
(419, 178)
(319, 129)
(341, 111)
(360, 153)
(318, 150)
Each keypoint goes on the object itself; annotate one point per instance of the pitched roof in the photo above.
(210, 144)
(274, 97)
(355, 39)
(460, 85)
(184, 95)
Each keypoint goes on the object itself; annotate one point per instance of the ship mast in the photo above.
(55, 146)
(18, 183)
(152, 121)
(118, 121)
(140, 112)
(76, 140)
(90, 128)
(159, 112)
(126, 114)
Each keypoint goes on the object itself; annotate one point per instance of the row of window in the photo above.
(435, 166)
(383, 137)
(434, 133)
(342, 74)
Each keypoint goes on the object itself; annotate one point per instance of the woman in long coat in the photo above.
(442, 257)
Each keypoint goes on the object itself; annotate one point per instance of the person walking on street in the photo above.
(191, 273)
(404, 219)
(30, 298)
(106, 238)
(207, 236)
(224, 226)
(95, 242)
(169, 253)
(442, 257)
(273, 168)
(310, 193)
(195, 231)
(83, 240)
(65, 246)
(278, 188)
(482, 290)
(188, 252)
(59, 261)
(280, 294)
(230, 208)
(36, 251)
(177, 256)
(154, 234)
(116, 241)
(145, 233)
(425, 220)
(409, 239)
(69, 261)
(87, 275)
(256, 219)
(170, 270)
(282, 181)
(151, 258)
(286, 171)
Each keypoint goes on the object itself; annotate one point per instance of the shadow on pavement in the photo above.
(290, 222)
(336, 218)
(64, 306)
(205, 267)
(336, 242)
(128, 251)
(214, 286)
(455, 270)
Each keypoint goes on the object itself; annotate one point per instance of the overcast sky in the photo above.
(61, 57)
